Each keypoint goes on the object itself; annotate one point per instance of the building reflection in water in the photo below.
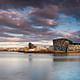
(30, 58)
(66, 59)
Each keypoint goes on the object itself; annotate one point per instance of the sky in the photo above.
(39, 21)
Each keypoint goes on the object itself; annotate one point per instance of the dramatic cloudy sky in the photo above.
(39, 20)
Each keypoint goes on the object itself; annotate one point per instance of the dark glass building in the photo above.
(61, 44)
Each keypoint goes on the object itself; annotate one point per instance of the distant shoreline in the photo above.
(57, 53)
(54, 53)
(44, 51)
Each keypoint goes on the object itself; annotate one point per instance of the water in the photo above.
(19, 66)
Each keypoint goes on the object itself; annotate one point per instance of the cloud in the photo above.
(19, 23)
(70, 32)
(49, 11)
(77, 33)
(12, 17)
(39, 3)
(70, 36)
(69, 7)
(16, 22)
(22, 3)
(74, 36)
(44, 16)
(10, 39)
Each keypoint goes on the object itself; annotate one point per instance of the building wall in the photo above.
(73, 47)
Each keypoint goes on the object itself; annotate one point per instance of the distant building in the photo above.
(74, 47)
(65, 45)
(40, 48)
(31, 46)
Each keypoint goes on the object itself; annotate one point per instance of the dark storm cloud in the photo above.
(23, 3)
(69, 7)
(72, 5)
(39, 3)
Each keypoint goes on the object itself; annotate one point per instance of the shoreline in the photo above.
(54, 53)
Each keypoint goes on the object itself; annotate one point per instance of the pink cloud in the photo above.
(11, 39)
(70, 36)
(12, 17)
(70, 32)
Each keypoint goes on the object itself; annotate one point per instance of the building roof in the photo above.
(62, 39)
(67, 40)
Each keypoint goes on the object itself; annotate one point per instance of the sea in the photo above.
(21, 66)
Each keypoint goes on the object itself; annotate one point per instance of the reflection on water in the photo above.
(19, 66)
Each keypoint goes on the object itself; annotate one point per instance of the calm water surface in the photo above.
(19, 66)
